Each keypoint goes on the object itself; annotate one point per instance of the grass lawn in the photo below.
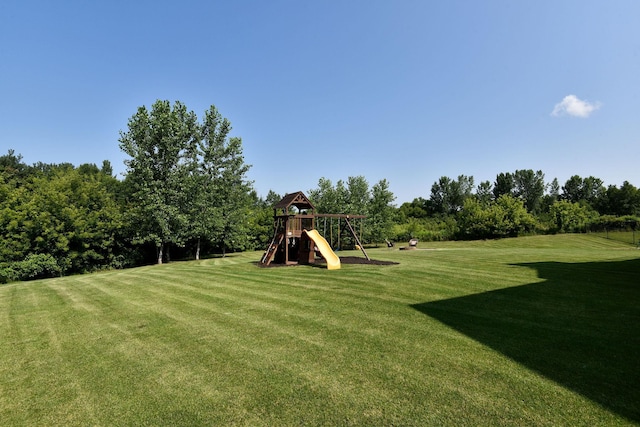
(632, 237)
(540, 331)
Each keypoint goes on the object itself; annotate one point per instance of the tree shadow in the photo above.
(579, 327)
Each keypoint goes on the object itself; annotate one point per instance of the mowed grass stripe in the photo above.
(270, 338)
(306, 302)
(141, 345)
(39, 361)
(273, 338)
(261, 305)
(226, 342)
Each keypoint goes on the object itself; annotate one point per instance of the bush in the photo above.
(568, 217)
(7, 274)
(34, 266)
(506, 217)
(424, 229)
(618, 223)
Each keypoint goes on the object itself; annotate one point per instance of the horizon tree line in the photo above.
(186, 194)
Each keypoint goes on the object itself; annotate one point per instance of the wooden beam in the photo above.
(355, 236)
(339, 216)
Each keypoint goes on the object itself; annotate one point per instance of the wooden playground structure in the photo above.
(296, 239)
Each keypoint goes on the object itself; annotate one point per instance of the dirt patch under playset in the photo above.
(343, 260)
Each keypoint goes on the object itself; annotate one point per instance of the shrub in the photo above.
(506, 217)
(7, 274)
(424, 229)
(34, 266)
(568, 217)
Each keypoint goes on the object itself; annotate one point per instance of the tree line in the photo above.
(185, 194)
(517, 203)
(185, 188)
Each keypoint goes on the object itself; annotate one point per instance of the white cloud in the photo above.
(573, 106)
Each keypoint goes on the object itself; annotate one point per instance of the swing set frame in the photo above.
(344, 224)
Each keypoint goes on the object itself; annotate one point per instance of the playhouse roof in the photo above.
(298, 199)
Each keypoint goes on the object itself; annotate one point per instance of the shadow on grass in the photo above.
(579, 327)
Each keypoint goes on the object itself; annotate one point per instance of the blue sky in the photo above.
(405, 90)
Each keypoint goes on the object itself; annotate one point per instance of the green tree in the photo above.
(477, 221)
(425, 229)
(234, 198)
(261, 219)
(620, 201)
(381, 212)
(15, 236)
(593, 189)
(504, 185)
(572, 189)
(571, 217)
(330, 199)
(204, 196)
(107, 169)
(506, 217)
(417, 208)
(484, 193)
(529, 187)
(358, 195)
(68, 214)
(160, 144)
(588, 190)
(13, 168)
(448, 196)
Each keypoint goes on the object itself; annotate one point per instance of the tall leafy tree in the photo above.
(504, 185)
(551, 196)
(593, 189)
(330, 199)
(225, 189)
(554, 189)
(529, 187)
(261, 219)
(578, 189)
(621, 201)
(381, 212)
(324, 197)
(204, 198)
(350, 198)
(484, 193)
(234, 197)
(69, 215)
(160, 144)
(448, 196)
(359, 195)
(12, 168)
(418, 208)
(341, 198)
(439, 200)
(15, 234)
(572, 190)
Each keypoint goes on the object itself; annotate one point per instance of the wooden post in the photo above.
(332, 233)
(286, 240)
(355, 236)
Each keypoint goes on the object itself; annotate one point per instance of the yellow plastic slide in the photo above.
(333, 261)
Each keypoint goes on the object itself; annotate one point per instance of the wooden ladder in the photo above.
(267, 257)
